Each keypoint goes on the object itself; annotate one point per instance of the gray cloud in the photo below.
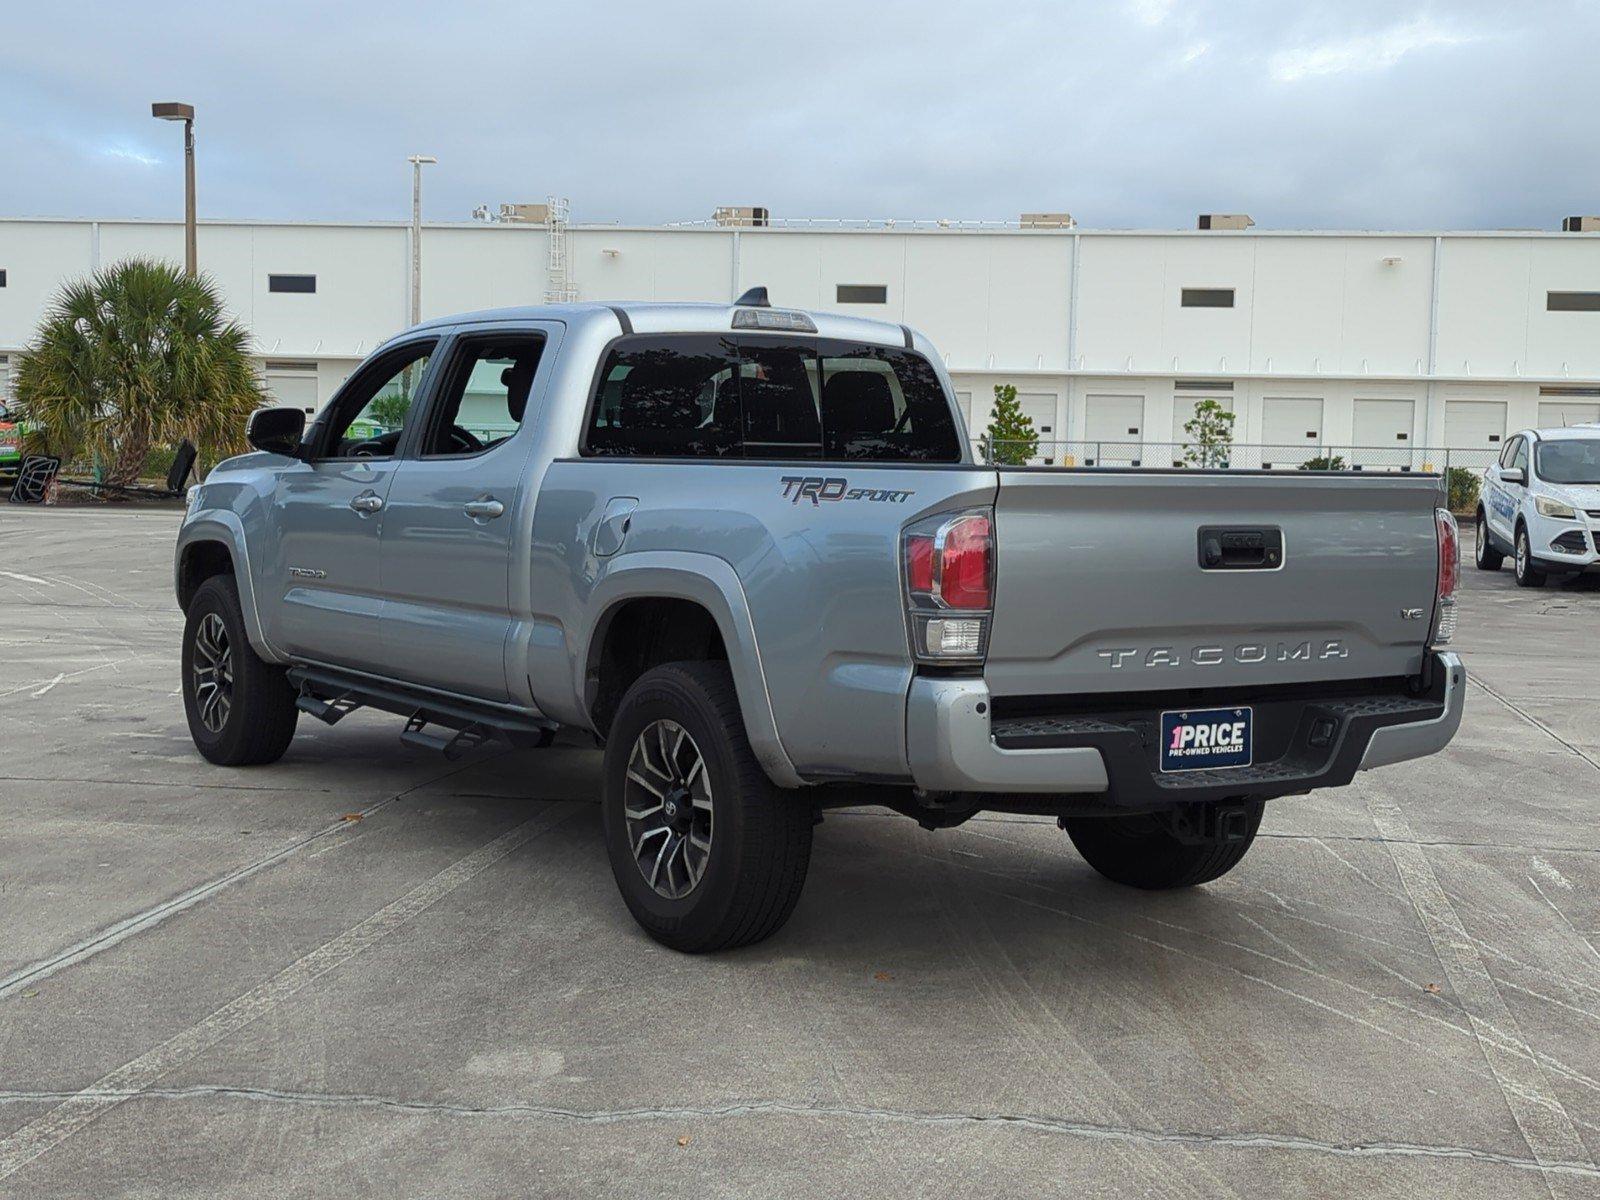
(1355, 114)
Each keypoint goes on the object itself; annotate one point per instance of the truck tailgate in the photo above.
(1100, 585)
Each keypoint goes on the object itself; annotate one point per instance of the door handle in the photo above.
(484, 508)
(367, 502)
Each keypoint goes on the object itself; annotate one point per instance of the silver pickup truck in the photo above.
(750, 550)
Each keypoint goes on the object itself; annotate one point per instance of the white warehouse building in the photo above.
(1387, 349)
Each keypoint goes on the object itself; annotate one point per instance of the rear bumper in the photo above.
(955, 744)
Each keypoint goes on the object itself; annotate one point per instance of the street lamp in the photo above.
(184, 113)
(417, 162)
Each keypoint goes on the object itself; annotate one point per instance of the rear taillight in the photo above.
(949, 574)
(1449, 537)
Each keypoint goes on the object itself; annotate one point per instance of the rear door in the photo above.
(457, 505)
(328, 514)
(1102, 586)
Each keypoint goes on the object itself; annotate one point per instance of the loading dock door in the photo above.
(1040, 407)
(1382, 435)
(1291, 431)
(1474, 431)
(293, 389)
(1183, 406)
(1113, 429)
(1553, 414)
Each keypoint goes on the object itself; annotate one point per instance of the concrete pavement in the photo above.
(368, 971)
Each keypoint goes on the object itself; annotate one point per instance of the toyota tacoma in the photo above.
(750, 550)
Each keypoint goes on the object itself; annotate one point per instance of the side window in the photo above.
(881, 405)
(779, 385)
(484, 394)
(1519, 458)
(1509, 451)
(371, 412)
(671, 396)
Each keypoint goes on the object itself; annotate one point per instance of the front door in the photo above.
(457, 509)
(320, 583)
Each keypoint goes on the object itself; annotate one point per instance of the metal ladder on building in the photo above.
(559, 285)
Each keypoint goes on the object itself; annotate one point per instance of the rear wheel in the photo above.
(709, 854)
(1142, 851)
(1488, 558)
(1528, 575)
(240, 707)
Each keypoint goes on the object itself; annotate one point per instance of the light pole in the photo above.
(417, 162)
(184, 113)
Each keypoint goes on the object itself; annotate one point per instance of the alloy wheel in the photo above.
(667, 804)
(1522, 555)
(212, 670)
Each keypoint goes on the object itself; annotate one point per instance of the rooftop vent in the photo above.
(737, 217)
(525, 214)
(1224, 221)
(1580, 225)
(1047, 221)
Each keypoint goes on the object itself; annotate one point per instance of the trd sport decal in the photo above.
(816, 489)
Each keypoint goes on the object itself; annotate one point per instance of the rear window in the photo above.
(757, 397)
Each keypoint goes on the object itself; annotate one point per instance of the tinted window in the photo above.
(861, 293)
(1207, 298)
(291, 283)
(882, 405)
(1519, 456)
(778, 390)
(770, 397)
(1570, 461)
(1506, 454)
(667, 397)
(1572, 301)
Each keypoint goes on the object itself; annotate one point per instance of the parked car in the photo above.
(749, 550)
(1541, 505)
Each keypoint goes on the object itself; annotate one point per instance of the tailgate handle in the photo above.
(1240, 548)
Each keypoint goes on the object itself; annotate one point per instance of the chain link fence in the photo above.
(1239, 456)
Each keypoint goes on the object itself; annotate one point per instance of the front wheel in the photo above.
(1528, 575)
(240, 707)
(709, 854)
(1486, 556)
(1142, 851)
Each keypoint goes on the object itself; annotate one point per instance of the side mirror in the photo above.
(276, 430)
(1513, 475)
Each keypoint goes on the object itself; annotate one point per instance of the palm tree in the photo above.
(138, 355)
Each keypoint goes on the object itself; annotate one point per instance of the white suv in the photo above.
(1541, 504)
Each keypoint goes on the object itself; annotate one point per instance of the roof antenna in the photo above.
(756, 297)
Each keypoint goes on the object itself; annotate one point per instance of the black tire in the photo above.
(759, 834)
(1528, 575)
(1141, 851)
(259, 718)
(1486, 556)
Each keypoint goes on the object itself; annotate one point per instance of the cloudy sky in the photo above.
(1354, 114)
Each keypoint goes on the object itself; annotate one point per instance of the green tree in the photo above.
(136, 356)
(1210, 434)
(1324, 462)
(1462, 488)
(1010, 439)
(389, 410)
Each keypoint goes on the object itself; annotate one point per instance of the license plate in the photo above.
(1200, 739)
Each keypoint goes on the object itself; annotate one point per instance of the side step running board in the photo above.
(459, 725)
(452, 748)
